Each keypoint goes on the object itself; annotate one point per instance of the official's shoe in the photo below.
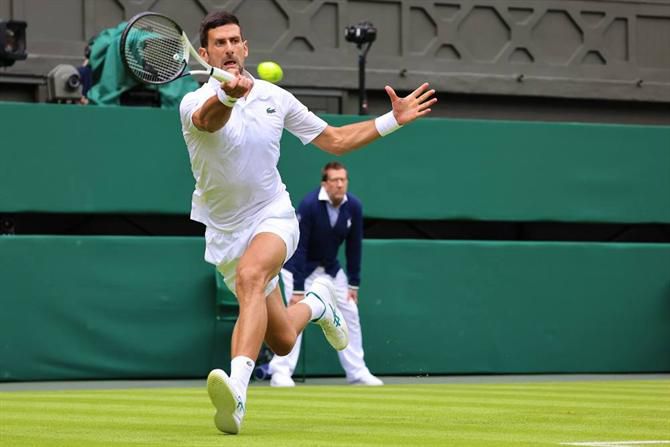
(367, 380)
(228, 402)
(281, 380)
(331, 321)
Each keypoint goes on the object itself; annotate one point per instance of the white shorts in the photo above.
(224, 249)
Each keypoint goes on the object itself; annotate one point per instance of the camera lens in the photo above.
(73, 82)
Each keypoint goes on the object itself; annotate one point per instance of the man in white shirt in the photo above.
(232, 131)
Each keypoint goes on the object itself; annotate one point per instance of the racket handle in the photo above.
(221, 75)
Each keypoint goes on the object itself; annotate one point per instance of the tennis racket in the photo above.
(155, 50)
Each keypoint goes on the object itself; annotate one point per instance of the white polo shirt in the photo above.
(235, 168)
(333, 211)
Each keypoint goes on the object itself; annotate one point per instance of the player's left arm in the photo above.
(340, 140)
(354, 249)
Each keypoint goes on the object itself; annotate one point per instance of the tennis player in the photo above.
(232, 131)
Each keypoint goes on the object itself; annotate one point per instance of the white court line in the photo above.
(615, 443)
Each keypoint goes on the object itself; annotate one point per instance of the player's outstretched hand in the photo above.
(412, 106)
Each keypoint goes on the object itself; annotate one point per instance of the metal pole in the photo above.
(362, 96)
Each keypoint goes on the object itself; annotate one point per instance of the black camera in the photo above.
(364, 32)
(12, 42)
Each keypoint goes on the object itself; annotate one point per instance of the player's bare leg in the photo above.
(284, 324)
(260, 263)
(265, 317)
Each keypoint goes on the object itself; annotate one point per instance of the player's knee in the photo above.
(282, 344)
(249, 277)
(281, 350)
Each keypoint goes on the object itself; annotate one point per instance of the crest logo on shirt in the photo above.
(348, 223)
(270, 110)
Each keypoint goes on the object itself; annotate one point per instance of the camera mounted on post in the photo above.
(364, 32)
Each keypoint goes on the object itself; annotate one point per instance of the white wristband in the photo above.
(225, 99)
(386, 124)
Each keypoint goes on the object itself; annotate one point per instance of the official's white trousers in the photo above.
(351, 358)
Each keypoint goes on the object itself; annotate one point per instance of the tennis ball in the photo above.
(270, 71)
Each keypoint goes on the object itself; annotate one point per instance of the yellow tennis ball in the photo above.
(270, 71)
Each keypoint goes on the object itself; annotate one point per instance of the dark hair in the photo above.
(214, 20)
(336, 165)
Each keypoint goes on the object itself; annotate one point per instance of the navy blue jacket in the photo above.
(319, 242)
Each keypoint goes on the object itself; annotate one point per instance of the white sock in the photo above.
(316, 305)
(241, 368)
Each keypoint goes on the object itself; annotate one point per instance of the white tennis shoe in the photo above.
(281, 380)
(228, 402)
(331, 321)
(367, 380)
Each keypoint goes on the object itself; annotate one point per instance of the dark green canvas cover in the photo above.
(111, 79)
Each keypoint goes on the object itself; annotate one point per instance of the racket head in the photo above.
(152, 48)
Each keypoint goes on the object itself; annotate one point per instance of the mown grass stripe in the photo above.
(460, 415)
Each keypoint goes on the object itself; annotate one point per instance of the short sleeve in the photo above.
(188, 106)
(302, 123)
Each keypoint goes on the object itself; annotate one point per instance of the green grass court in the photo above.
(491, 414)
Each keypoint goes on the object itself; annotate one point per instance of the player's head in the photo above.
(335, 181)
(221, 42)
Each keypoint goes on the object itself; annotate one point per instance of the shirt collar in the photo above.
(323, 196)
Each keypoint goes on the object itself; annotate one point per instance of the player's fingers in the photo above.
(229, 86)
(245, 82)
(427, 104)
(423, 113)
(426, 95)
(248, 85)
(416, 93)
(391, 93)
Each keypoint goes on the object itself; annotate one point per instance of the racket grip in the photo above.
(221, 75)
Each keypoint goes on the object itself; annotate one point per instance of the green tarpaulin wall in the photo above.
(141, 307)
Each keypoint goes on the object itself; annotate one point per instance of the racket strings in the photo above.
(154, 51)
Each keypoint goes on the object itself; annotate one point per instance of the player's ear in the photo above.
(203, 54)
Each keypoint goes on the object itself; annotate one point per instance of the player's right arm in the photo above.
(212, 116)
(216, 111)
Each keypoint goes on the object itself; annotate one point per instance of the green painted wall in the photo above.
(104, 307)
(431, 307)
(115, 159)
